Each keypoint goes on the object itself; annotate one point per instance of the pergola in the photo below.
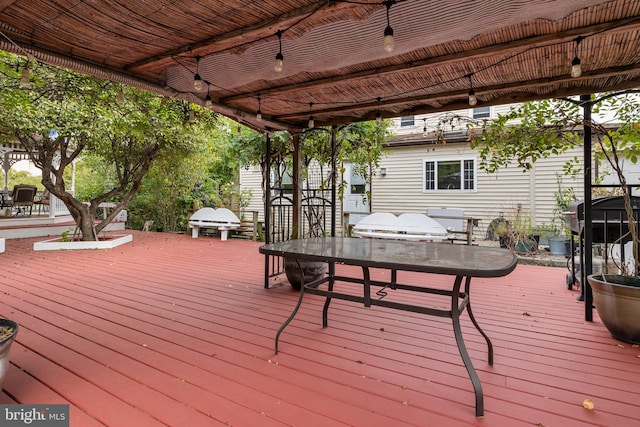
(335, 64)
(275, 65)
(10, 154)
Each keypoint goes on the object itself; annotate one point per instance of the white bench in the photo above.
(221, 219)
(415, 227)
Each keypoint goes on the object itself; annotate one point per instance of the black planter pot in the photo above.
(5, 346)
(617, 301)
(309, 270)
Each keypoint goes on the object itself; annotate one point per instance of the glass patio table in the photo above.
(462, 262)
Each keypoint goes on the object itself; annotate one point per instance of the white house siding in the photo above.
(251, 179)
(401, 189)
(434, 121)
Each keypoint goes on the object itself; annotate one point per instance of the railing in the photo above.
(57, 207)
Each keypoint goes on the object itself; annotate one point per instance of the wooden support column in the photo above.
(587, 268)
(297, 189)
(267, 205)
(334, 178)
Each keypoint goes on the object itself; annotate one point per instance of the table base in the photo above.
(459, 301)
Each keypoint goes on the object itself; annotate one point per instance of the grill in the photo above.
(609, 218)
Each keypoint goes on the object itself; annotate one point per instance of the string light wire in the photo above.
(388, 3)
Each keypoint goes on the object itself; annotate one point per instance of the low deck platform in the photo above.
(131, 337)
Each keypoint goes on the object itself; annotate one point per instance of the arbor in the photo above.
(61, 114)
(357, 143)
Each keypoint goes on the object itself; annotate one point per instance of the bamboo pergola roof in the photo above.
(335, 67)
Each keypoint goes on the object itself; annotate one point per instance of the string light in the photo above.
(197, 80)
(25, 79)
(473, 100)
(576, 68)
(378, 115)
(312, 122)
(259, 112)
(207, 101)
(279, 58)
(389, 45)
(388, 31)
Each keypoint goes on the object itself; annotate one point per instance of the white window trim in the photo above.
(450, 158)
(413, 124)
(481, 118)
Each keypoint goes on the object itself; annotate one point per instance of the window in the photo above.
(482, 113)
(357, 182)
(407, 121)
(450, 174)
(281, 179)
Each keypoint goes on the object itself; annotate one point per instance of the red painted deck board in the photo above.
(170, 330)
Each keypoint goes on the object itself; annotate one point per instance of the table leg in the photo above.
(297, 307)
(325, 309)
(475, 323)
(367, 286)
(455, 318)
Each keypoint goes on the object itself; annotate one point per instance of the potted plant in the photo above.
(8, 331)
(543, 232)
(549, 128)
(617, 296)
(516, 233)
(560, 244)
(299, 271)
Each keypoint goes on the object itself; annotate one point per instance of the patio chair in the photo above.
(42, 201)
(22, 196)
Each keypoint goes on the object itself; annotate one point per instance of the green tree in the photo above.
(62, 114)
(537, 130)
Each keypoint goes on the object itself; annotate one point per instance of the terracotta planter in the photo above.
(311, 270)
(617, 300)
(5, 346)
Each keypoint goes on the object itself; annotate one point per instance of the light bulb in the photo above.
(278, 64)
(259, 115)
(311, 123)
(472, 97)
(25, 78)
(576, 69)
(197, 82)
(379, 118)
(208, 102)
(388, 39)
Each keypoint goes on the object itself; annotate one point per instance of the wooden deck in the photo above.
(170, 330)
